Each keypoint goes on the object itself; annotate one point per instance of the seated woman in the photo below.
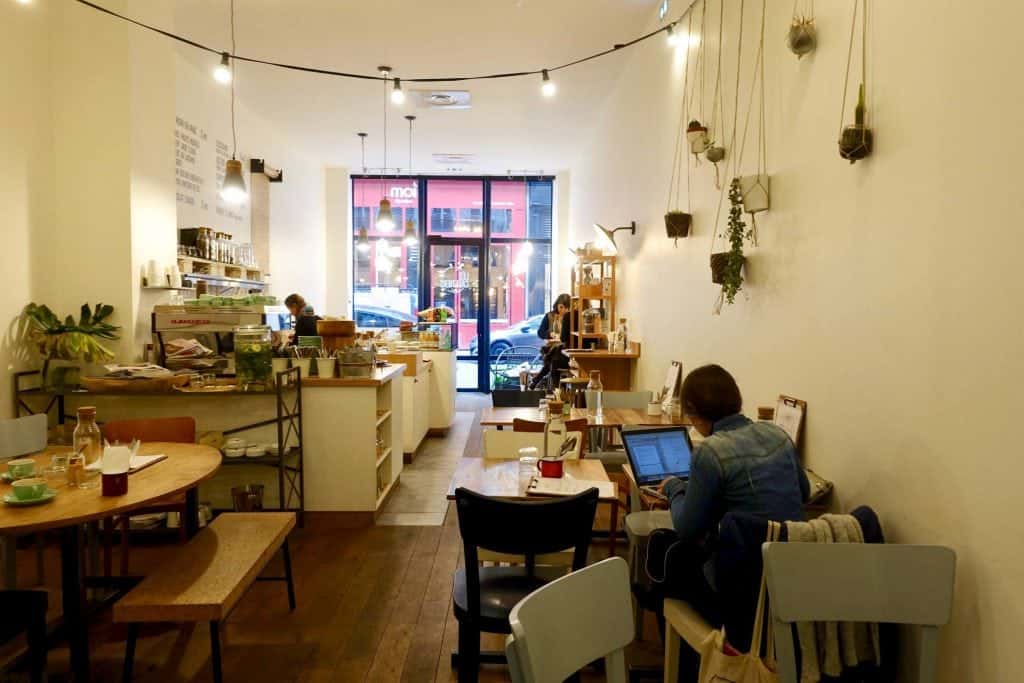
(551, 325)
(741, 466)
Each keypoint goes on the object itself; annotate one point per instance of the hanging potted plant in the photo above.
(697, 137)
(677, 224)
(802, 36)
(856, 140)
(60, 342)
(677, 221)
(727, 266)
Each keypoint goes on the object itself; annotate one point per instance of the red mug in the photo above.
(552, 469)
(115, 484)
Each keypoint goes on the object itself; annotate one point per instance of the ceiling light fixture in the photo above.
(363, 243)
(410, 238)
(397, 96)
(606, 237)
(547, 87)
(233, 188)
(385, 219)
(222, 72)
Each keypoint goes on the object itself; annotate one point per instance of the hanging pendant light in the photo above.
(410, 237)
(547, 86)
(385, 219)
(363, 243)
(397, 96)
(222, 73)
(233, 190)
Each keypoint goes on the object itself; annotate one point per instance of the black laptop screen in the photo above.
(656, 455)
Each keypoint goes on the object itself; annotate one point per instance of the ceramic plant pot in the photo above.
(754, 192)
(697, 136)
(677, 224)
(802, 37)
(856, 142)
(715, 154)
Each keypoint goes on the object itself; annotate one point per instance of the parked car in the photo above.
(521, 334)
(377, 316)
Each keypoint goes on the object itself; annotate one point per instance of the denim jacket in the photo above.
(743, 466)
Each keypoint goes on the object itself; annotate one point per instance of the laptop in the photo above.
(656, 453)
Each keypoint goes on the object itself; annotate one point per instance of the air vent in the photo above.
(450, 159)
(442, 99)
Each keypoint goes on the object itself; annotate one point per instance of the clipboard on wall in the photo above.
(673, 383)
(789, 415)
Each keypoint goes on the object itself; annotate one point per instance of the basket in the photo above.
(719, 266)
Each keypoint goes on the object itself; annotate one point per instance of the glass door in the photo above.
(455, 284)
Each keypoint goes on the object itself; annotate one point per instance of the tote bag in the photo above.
(717, 666)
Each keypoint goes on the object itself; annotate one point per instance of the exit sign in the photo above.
(662, 9)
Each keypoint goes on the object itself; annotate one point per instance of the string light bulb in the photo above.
(671, 36)
(547, 86)
(385, 219)
(363, 243)
(397, 96)
(222, 72)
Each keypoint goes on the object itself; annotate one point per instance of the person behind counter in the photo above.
(305, 318)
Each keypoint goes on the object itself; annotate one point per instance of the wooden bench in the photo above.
(206, 578)
(682, 622)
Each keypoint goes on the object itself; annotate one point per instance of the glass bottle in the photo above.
(87, 450)
(202, 243)
(554, 430)
(253, 363)
(595, 395)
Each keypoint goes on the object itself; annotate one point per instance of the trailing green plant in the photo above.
(68, 339)
(736, 231)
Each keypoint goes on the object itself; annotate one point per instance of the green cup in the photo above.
(21, 468)
(29, 489)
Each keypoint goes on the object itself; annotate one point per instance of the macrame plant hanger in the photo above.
(802, 36)
(716, 153)
(856, 141)
(680, 154)
(696, 130)
(755, 188)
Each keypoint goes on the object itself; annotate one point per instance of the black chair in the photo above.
(23, 611)
(513, 398)
(484, 596)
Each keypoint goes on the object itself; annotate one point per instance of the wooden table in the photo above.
(499, 478)
(185, 467)
(613, 417)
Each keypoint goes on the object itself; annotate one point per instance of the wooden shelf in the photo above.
(382, 418)
(231, 281)
(384, 494)
(383, 456)
(172, 289)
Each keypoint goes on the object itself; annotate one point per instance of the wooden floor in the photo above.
(373, 604)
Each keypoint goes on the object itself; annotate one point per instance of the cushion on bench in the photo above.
(204, 579)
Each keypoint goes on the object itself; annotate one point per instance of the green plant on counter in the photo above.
(736, 231)
(68, 339)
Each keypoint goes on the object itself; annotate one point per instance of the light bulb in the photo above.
(671, 36)
(547, 87)
(222, 73)
(24, 2)
(397, 96)
(410, 237)
(233, 190)
(385, 219)
(363, 243)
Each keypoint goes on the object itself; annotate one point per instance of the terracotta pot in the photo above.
(719, 266)
(856, 142)
(677, 224)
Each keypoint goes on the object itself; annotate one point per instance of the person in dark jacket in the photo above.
(305, 317)
(551, 326)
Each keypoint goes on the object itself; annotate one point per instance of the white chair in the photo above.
(602, 446)
(900, 584)
(22, 435)
(505, 445)
(572, 621)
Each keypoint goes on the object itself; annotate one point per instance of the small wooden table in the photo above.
(613, 417)
(185, 467)
(500, 478)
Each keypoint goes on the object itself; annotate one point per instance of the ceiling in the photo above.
(510, 125)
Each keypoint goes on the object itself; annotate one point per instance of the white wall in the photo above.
(26, 175)
(884, 293)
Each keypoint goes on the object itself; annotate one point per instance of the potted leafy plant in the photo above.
(727, 266)
(856, 140)
(69, 340)
(677, 224)
(697, 136)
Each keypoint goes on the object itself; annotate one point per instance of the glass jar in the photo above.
(253, 350)
(87, 450)
(591, 321)
(595, 395)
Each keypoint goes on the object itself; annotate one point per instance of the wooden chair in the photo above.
(900, 584)
(171, 429)
(23, 611)
(513, 398)
(22, 436)
(483, 597)
(578, 425)
(563, 626)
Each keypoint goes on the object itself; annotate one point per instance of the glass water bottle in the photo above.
(87, 450)
(595, 395)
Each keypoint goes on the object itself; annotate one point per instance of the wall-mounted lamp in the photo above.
(606, 237)
(274, 175)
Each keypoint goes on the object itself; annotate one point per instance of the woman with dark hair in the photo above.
(551, 326)
(741, 466)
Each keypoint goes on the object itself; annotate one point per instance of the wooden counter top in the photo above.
(380, 376)
(634, 352)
